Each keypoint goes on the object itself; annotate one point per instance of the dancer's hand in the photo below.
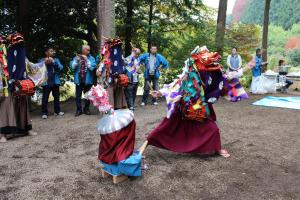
(155, 93)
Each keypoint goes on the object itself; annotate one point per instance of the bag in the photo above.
(24, 88)
(123, 80)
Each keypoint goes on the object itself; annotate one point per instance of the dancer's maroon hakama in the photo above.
(187, 136)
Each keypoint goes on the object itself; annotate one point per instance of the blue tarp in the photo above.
(279, 102)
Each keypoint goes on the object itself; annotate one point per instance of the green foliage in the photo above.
(283, 13)
(245, 37)
(294, 57)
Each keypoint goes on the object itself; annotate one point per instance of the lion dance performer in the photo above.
(111, 72)
(190, 125)
(14, 111)
(117, 131)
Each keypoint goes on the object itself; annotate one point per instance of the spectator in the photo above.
(152, 61)
(53, 66)
(132, 73)
(282, 70)
(83, 65)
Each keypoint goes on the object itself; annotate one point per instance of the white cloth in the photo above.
(234, 74)
(38, 73)
(263, 85)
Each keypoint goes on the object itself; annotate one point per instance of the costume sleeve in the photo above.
(172, 94)
(35, 66)
(91, 63)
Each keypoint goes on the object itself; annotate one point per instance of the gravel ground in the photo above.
(61, 162)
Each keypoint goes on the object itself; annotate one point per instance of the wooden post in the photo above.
(149, 37)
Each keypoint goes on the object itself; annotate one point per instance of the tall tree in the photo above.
(99, 15)
(221, 22)
(149, 36)
(128, 26)
(265, 31)
(107, 19)
(22, 17)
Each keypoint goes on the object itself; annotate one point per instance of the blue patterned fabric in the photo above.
(116, 58)
(16, 62)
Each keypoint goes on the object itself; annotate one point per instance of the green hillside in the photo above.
(283, 13)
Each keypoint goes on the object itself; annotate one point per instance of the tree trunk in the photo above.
(149, 38)
(265, 31)
(221, 23)
(106, 23)
(22, 18)
(128, 26)
(99, 24)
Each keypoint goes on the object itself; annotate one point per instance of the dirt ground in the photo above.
(61, 162)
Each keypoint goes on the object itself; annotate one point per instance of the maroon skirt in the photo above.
(118, 145)
(187, 136)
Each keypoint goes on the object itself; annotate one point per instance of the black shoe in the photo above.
(78, 113)
(87, 111)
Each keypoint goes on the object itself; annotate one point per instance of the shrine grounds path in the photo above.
(61, 161)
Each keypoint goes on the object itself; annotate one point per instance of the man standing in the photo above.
(132, 67)
(53, 66)
(83, 66)
(152, 62)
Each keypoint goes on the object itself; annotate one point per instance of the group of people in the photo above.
(190, 125)
(15, 67)
(84, 66)
(260, 83)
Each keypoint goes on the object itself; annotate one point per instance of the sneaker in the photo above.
(44, 116)
(59, 114)
(143, 104)
(131, 108)
(155, 103)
